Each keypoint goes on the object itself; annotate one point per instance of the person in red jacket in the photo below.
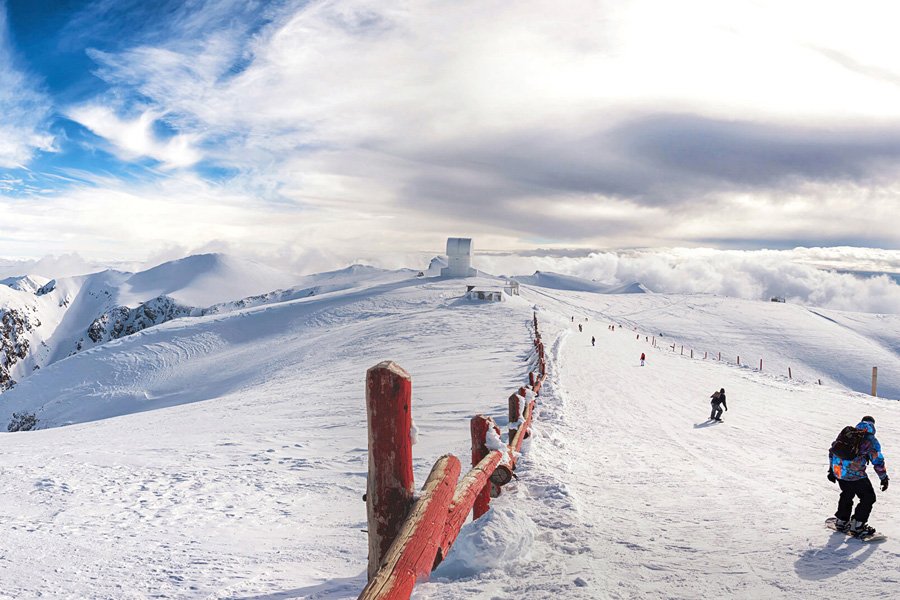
(643, 356)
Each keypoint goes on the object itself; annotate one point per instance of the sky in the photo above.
(328, 132)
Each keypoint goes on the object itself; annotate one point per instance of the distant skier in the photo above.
(643, 356)
(593, 341)
(718, 401)
(579, 327)
(851, 476)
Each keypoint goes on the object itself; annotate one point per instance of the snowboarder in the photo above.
(851, 476)
(643, 356)
(718, 400)
(593, 341)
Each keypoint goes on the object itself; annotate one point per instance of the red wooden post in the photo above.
(531, 378)
(692, 353)
(704, 354)
(514, 413)
(760, 364)
(720, 356)
(412, 555)
(479, 428)
(390, 487)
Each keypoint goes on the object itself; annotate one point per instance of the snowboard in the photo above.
(875, 537)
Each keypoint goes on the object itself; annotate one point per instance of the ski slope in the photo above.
(225, 456)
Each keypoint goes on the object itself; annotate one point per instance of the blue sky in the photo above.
(332, 131)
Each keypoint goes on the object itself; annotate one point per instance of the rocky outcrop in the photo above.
(13, 343)
(122, 321)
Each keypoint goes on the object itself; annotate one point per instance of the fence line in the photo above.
(409, 536)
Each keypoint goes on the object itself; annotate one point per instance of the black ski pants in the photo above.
(716, 411)
(862, 489)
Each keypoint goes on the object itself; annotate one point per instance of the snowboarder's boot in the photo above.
(841, 525)
(860, 529)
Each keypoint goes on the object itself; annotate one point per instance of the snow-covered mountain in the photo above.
(47, 320)
(222, 454)
(558, 281)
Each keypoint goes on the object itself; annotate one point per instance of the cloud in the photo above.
(355, 122)
(810, 276)
(24, 108)
(135, 139)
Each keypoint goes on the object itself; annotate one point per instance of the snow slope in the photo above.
(224, 456)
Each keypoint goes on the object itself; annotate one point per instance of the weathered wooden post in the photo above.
(479, 427)
(414, 553)
(874, 380)
(739, 359)
(720, 356)
(760, 364)
(692, 353)
(514, 412)
(789, 373)
(390, 486)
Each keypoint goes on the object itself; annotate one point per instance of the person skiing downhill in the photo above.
(851, 476)
(593, 341)
(643, 356)
(718, 398)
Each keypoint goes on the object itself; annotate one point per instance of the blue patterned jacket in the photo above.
(869, 451)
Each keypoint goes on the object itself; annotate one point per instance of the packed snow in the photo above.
(222, 455)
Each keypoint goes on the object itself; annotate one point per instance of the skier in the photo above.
(643, 356)
(851, 476)
(579, 328)
(593, 341)
(718, 398)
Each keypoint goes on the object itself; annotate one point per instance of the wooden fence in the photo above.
(409, 533)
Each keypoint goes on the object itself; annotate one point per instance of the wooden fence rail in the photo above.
(408, 539)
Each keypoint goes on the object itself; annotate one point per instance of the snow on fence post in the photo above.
(413, 553)
(390, 486)
(514, 413)
(874, 380)
(479, 427)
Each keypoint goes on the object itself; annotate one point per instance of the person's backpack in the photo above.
(846, 446)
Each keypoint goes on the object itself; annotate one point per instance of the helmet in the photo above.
(869, 419)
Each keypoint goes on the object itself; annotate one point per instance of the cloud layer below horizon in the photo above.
(852, 279)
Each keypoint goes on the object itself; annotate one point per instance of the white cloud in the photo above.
(804, 275)
(135, 138)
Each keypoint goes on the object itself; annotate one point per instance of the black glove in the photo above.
(884, 483)
(831, 476)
